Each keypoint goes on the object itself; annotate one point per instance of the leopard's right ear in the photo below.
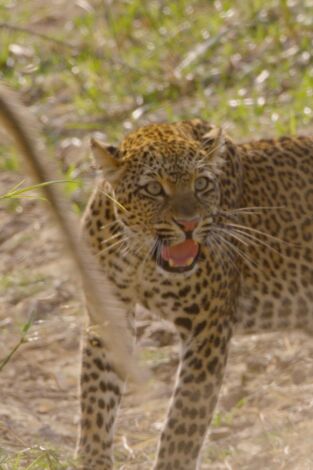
(106, 158)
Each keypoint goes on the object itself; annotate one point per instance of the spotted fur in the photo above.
(253, 223)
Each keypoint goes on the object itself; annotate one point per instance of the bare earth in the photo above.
(265, 414)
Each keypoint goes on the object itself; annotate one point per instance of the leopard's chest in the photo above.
(172, 295)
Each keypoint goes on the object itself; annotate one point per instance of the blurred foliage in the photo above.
(114, 65)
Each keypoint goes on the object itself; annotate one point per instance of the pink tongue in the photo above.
(181, 252)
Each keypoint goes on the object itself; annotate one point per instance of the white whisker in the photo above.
(250, 263)
(259, 232)
(256, 241)
(255, 209)
(108, 240)
(110, 247)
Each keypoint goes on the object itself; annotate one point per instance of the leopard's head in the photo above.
(166, 183)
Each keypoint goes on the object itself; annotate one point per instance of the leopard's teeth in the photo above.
(173, 264)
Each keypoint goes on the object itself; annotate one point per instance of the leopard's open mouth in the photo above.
(178, 258)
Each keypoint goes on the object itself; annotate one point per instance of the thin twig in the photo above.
(21, 341)
(4, 361)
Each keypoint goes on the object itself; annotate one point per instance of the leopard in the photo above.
(210, 234)
(214, 236)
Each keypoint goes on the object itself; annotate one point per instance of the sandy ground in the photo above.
(264, 419)
(265, 413)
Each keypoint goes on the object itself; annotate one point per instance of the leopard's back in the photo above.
(277, 288)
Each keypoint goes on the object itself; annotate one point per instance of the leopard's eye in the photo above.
(202, 183)
(154, 188)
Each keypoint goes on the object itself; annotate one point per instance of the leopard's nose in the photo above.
(188, 225)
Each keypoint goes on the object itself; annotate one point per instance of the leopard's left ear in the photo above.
(214, 140)
(214, 144)
(107, 159)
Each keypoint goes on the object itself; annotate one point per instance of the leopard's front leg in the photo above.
(101, 389)
(199, 378)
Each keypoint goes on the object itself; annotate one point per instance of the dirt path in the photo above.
(265, 414)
